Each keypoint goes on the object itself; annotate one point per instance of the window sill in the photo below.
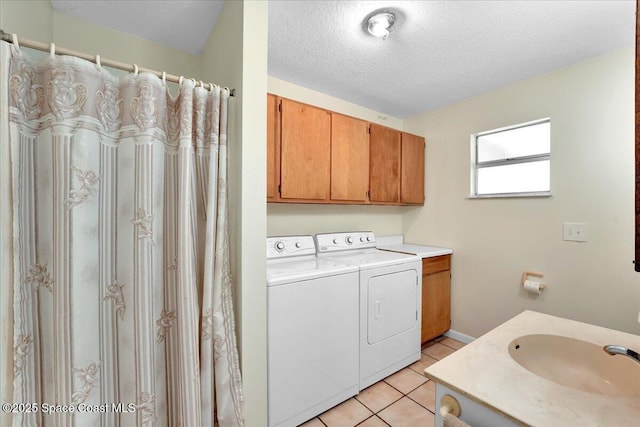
(511, 195)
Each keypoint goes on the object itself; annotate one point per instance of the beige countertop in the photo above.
(485, 372)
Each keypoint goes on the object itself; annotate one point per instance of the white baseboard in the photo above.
(459, 336)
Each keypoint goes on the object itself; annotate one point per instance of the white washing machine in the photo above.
(312, 331)
(390, 302)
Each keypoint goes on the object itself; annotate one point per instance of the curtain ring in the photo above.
(194, 82)
(164, 77)
(135, 69)
(14, 39)
(202, 84)
(98, 63)
(180, 81)
(52, 51)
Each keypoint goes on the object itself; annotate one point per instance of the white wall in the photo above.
(286, 218)
(236, 56)
(28, 19)
(319, 99)
(591, 106)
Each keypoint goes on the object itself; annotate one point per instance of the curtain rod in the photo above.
(12, 38)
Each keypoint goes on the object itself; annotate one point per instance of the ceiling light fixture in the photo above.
(380, 24)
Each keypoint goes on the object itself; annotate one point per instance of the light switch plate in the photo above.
(575, 231)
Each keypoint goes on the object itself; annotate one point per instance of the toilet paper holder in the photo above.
(526, 274)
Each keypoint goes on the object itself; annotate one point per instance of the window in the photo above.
(512, 161)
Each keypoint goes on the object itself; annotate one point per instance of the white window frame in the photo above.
(475, 165)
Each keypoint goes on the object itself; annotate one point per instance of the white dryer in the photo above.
(390, 302)
(312, 331)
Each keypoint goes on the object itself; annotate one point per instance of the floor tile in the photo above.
(438, 351)
(347, 414)
(378, 396)
(450, 342)
(425, 395)
(406, 413)
(315, 422)
(374, 421)
(431, 342)
(405, 380)
(422, 364)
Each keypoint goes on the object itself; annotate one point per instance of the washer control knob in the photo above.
(335, 241)
(368, 239)
(362, 239)
(349, 240)
(298, 245)
(279, 246)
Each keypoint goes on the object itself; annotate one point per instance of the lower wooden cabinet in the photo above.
(436, 296)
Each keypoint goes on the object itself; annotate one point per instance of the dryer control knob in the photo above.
(349, 240)
(362, 239)
(279, 246)
(335, 241)
(368, 239)
(298, 245)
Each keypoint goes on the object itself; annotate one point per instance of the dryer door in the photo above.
(392, 304)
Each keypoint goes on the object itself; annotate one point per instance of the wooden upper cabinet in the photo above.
(349, 158)
(384, 166)
(319, 156)
(412, 169)
(305, 148)
(273, 130)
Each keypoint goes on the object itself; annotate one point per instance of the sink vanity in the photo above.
(542, 370)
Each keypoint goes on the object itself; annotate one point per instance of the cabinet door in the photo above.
(412, 169)
(305, 151)
(384, 167)
(349, 158)
(273, 130)
(436, 296)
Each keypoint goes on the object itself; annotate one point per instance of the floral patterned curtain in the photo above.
(120, 282)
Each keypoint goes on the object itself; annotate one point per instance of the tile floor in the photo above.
(403, 399)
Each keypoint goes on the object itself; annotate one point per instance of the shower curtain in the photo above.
(117, 296)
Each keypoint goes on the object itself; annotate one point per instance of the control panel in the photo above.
(286, 246)
(330, 242)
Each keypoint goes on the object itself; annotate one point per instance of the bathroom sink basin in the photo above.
(577, 364)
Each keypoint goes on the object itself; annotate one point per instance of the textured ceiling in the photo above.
(440, 52)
